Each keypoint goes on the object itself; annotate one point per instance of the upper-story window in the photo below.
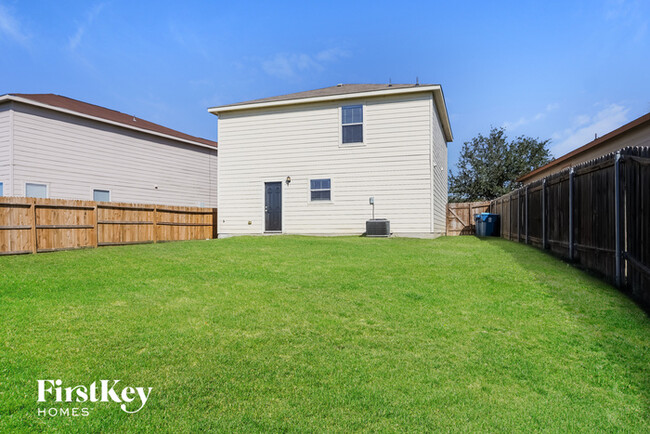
(352, 123)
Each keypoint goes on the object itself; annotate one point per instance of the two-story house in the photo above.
(309, 162)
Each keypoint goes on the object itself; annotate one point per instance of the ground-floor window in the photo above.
(321, 189)
(102, 195)
(36, 190)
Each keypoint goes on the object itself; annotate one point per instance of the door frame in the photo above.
(264, 182)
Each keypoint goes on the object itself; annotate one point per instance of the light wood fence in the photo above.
(29, 225)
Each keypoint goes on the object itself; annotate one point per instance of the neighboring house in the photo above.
(635, 133)
(308, 162)
(56, 147)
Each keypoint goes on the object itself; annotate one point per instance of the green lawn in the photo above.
(324, 334)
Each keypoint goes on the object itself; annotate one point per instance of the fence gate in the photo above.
(460, 217)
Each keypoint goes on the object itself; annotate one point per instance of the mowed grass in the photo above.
(324, 334)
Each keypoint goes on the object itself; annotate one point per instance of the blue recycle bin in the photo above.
(487, 224)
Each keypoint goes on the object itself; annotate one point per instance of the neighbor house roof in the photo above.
(593, 145)
(62, 103)
(346, 91)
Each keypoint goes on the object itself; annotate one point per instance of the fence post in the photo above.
(32, 214)
(155, 224)
(519, 215)
(544, 214)
(571, 214)
(501, 220)
(215, 223)
(95, 233)
(617, 215)
(510, 213)
(526, 214)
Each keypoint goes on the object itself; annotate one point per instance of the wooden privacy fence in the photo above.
(460, 217)
(596, 214)
(29, 225)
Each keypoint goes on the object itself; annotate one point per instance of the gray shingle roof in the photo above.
(341, 89)
(108, 114)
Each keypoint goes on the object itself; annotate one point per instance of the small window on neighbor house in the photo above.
(352, 123)
(36, 190)
(101, 195)
(321, 189)
(2, 189)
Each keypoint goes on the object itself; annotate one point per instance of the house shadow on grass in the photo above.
(610, 316)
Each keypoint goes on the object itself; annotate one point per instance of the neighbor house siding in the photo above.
(73, 156)
(303, 142)
(639, 136)
(5, 147)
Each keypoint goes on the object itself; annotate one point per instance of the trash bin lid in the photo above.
(485, 215)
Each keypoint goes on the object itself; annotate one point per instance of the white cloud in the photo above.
(11, 27)
(190, 40)
(628, 15)
(618, 9)
(75, 40)
(527, 120)
(585, 127)
(287, 65)
(331, 55)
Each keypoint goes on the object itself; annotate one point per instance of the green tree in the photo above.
(490, 165)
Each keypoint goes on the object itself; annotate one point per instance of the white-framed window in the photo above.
(352, 124)
(33, 189)
(101, 195)
(2, 189)
(320, 189)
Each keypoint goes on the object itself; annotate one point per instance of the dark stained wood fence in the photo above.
(29, 225)
(636, 175)
(577, 215)
(460, 217)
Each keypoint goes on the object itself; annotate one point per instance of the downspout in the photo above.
(431, 170)
(12, 184)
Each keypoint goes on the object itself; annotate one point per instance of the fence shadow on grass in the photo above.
(600, 284)
(584, 303)
(594, 214)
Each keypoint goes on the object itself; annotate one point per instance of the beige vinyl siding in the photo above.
(303, 142)
(73, 156)
(5, 147)
(439, 171)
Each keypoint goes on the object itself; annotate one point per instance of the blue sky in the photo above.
(563, 70)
